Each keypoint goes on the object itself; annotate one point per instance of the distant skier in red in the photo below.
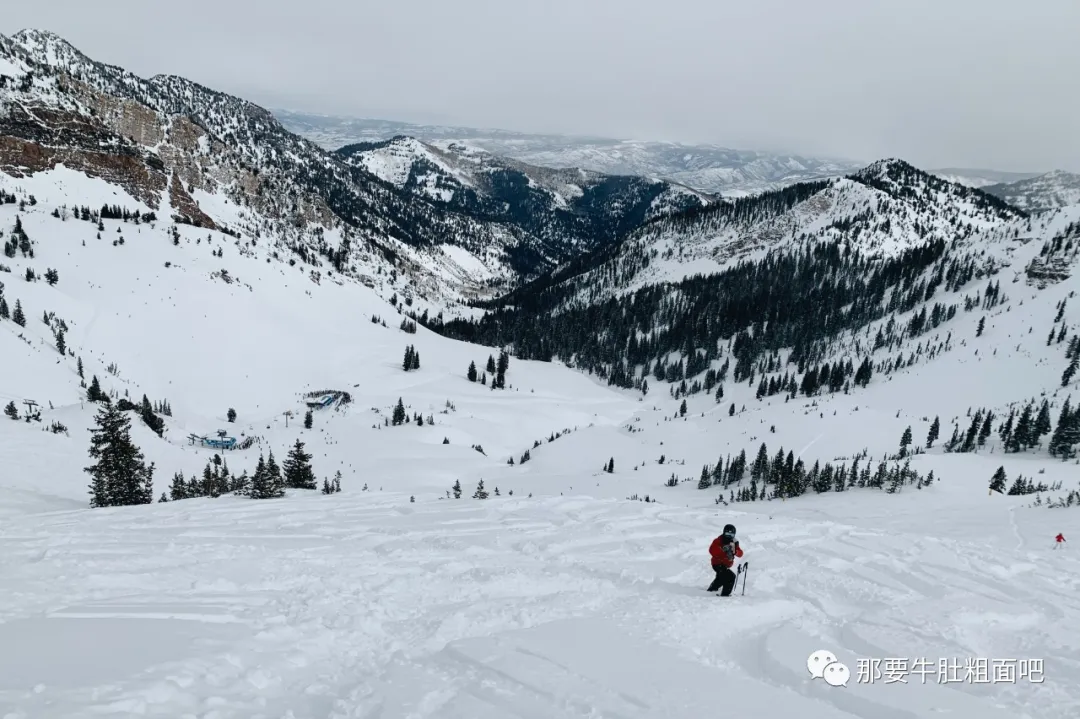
(723, 550)
(1059, 540)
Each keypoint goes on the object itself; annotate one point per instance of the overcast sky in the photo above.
(969, 83)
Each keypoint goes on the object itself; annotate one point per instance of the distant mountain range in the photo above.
(708, 168)
(1041, 192)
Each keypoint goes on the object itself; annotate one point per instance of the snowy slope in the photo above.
(1045, 192)
(884, 209)
(563, 600)
(559, 214)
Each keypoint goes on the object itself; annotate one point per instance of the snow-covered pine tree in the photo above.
(274, 478)
(471, 374)
(178, 488)
(905, 441)
(94, 393)
(308, 419)
(997, 482)
(457, 489)
(120, 475)
(706, 480)
(297, 468)
(260, 481)
(399, 413)
(18, 317)
(480, 492)
(11, 410)
(935, 431)
(337, 481)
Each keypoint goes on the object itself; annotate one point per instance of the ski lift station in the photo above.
(222, 441)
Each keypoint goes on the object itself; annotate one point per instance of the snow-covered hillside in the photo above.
(846, 370)
(1044, 192)
(169, 136)
(884, 209)
(563, 595)
(559, 214)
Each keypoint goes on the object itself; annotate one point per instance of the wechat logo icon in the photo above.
(822, 664)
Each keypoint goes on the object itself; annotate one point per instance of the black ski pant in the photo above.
(725, 580)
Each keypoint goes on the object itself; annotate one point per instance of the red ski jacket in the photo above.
(724, 554)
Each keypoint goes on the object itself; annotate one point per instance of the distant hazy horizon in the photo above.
(969, 83)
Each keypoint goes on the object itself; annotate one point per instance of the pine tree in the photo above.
(94, 394)
(408, 363)
(11, 410)
(480, 493)
(731, 410)
(18, 317)
(308, 420)
(997, 482)
(1043, 424)
(611, 466)
(682, 409)
(1064, 434)
(415, 359)
(987, 428)
(490, 369)
(4, 313)
(905, 441)
(326, 488)
(471, 374)
(1070, 371)
(260, 482)
(457, 489)
(120, 475)
(273, 477)
(934, 433)
(705, 481)
(399, 413)
(337, 481)
(61, 345)
(297, 468)
(231, 415)
(981, 327)
(79, 368)
(178, 488)
(500, 371)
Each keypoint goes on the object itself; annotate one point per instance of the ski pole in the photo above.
(745, 570)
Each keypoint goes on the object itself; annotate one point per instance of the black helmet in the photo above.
(729, 529)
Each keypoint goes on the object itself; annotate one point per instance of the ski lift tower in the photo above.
(288, 413)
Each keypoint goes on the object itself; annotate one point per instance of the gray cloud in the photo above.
(977, 83)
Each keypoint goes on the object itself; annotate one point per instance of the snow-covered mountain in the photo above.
(393, 596)
(981, 178)
(839, 368)
(169, 136)
(564, 213)
(1044, 192)
(707, 168)
(884, 209)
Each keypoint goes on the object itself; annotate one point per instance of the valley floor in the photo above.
(364, 604)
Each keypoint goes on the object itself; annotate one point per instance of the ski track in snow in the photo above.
(371, 606)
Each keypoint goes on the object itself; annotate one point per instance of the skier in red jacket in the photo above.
(723, 550)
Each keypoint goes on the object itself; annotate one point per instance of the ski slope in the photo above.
(565, 599)
(367, 605)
